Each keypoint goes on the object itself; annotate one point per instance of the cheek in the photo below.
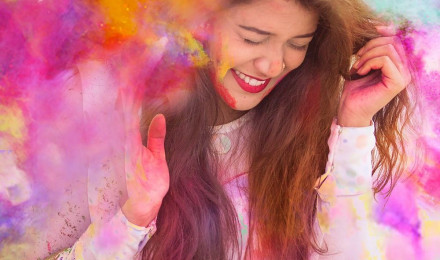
(223, 55)
(223, 67)
(296, 60)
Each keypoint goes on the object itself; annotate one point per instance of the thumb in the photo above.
(156, 136)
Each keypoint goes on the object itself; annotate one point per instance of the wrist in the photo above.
(140, 214)
(352, 121)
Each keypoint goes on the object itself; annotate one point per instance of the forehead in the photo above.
(275, 16)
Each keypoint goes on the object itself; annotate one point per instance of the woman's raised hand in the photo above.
(147, 172)
(364, 97)
(146, 169)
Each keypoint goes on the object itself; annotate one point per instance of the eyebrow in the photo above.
(256, 30)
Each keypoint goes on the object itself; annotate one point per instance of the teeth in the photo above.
(250, 81)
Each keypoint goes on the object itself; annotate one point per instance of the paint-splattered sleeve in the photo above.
(346, 195)
(116, 239)
(349, 166)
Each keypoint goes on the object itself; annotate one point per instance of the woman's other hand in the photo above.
(385, 58)
(147, 172)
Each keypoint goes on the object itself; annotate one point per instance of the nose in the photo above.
(270, 65)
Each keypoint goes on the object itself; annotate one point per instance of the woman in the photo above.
(246, 149)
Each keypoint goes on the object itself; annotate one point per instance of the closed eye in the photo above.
(298, 47)
(291, 45)
(250, 42)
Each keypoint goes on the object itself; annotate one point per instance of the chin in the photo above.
(245, 106)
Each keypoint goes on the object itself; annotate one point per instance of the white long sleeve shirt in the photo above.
(344, 190)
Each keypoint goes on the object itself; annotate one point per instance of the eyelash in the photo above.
(300, 48)
(251, 42)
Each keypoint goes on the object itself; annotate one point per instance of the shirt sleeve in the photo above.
(110, 235)
(349, 165)
(116, 239)
(345, 196)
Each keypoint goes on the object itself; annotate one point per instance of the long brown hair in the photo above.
(288, 150)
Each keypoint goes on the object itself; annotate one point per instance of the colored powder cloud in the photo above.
(410, 215)
(57, 108)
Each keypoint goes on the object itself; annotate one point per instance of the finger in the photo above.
(132, 93)
(375, 43)
(130, 101)
(383, 50)
(133, 150)
(386, 30)
(156, 136)
(391, 77)
(395, 41)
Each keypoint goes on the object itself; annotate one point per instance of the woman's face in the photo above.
(250, 44)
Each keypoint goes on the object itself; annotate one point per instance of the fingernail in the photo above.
(361, 51)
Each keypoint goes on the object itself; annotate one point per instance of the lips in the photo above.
(248, 83)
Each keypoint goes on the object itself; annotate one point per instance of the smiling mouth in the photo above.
(248, 83)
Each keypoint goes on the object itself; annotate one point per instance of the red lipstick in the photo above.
(246, 86)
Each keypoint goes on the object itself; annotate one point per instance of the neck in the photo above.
(227, 114)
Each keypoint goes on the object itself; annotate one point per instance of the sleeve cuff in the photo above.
(116, 239)
(349, 167)
(139, 233)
